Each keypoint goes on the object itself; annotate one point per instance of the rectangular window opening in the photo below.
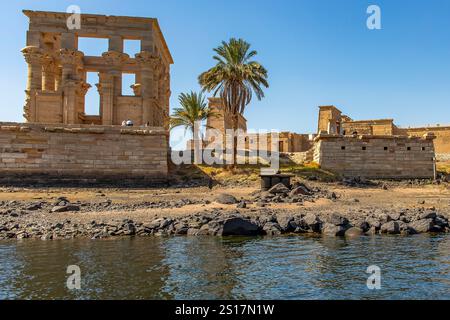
(93, 46)
(128, 79)
(131, 47)
(92, 99)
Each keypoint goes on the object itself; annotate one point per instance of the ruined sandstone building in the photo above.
(331, 120)
(59, 138)
(288, 142)
(57, 71)
(373, 148)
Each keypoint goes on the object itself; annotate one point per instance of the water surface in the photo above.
(291, 267)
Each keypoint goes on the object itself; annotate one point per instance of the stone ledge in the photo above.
(74, 130)
(14, 128)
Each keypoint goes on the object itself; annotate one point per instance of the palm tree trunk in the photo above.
(235, 139)
(197, 147)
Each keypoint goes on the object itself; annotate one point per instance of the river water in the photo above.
(288, 267)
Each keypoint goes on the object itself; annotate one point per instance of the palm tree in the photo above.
(235, 77)
(192, 112)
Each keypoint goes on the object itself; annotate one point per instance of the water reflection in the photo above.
(291, 267)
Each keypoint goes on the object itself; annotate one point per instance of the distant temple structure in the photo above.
(332, 121)
(222, 120)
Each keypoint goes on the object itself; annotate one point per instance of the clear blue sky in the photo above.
(317, 52)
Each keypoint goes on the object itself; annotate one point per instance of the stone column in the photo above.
(166, 96)
(58, 77)
(48, 73)
(33, 56)
(106, 92)
(71, 62)
(81, 92)
(115, 43)
(149, 65)
(115, 60)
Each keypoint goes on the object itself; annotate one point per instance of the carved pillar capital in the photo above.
(71, 57)
(83, 88)
(136, 89)
(148, 60)
(33, 55)
(115, 58)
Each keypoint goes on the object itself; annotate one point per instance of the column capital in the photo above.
(83, 88)
(33, 55)
(115, 58)
(137, 89)
(148, 59)
(71, 57)
(49, 59)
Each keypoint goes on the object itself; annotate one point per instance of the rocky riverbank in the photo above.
(306, 207)
(216, 223)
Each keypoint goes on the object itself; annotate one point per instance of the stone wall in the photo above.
(383, 127)
(77, 152)
(441, 143)
(376, 156)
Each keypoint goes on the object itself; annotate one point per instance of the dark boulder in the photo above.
(313, 222)
(337, 220)
(239, 227)
(332, 230)
(391, 227)
(286, 223)
(272, 229)
(427, 215)
(421, 226)
(66, 208)
(225, 198)
(279, 189)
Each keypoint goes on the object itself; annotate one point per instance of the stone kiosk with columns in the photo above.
(59, 138)
(57, 70)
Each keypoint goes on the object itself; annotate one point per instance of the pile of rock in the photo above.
(358, 182)
(298, 193)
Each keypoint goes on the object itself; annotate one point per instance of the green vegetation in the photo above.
(235, 78)
(193, 109)
(250, 173)
(444, 167)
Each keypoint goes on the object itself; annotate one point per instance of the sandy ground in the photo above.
(349, 200)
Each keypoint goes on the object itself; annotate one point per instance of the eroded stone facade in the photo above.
(41, 152)
(332, 121)
(371, 156)
(57, 86)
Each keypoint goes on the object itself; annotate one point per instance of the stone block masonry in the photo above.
(383, 157)
(82, 153)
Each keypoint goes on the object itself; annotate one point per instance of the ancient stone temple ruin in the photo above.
(372, 148)
(57, 86)
(60, 140)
